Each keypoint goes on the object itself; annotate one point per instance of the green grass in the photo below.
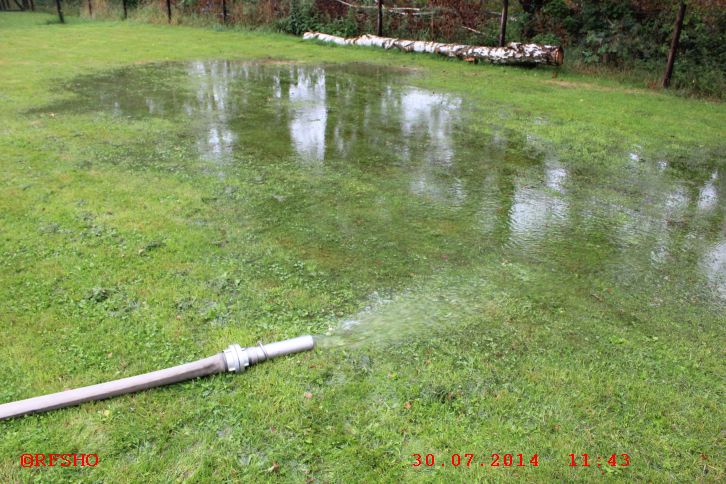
(109, 269)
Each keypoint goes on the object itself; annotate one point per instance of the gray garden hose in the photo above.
(233, 359)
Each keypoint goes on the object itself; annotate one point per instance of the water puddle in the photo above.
(376, 179)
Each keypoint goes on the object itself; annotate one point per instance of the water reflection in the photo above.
(708, 194)
(534, 214)
(308, 113)
(714, 263)
(430, 116)
(213, 104)
(425, 162)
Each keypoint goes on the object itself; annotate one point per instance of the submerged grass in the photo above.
(124, 251)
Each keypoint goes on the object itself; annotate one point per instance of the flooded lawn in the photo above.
(377, 180)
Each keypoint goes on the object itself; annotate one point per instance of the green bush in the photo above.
(302, 18)
(343, 26)
(636, 36)
(547, 39)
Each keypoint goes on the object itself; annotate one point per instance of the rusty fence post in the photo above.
(60, 11)
(503, 23)
(674, 44)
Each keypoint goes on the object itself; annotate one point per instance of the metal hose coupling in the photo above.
(238, 358)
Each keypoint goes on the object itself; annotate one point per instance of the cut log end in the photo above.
(559, 56)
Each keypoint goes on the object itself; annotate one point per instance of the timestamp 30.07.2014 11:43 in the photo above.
(517, 460)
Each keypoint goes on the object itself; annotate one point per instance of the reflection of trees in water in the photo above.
(214, 104)
(661, 241)
(429, 167)
(308, 113)
(539, 210)
(714, 264)
(711, 207)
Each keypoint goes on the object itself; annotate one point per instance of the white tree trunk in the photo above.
(512, 53)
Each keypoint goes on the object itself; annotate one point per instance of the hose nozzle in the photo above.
(238, 358)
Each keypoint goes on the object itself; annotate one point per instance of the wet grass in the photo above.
(125, 250)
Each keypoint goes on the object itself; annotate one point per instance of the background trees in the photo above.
(627, 38)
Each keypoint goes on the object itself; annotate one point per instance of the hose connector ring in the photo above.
(264, 352)
(236, 358)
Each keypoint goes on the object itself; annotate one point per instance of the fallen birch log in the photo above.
(512, 53)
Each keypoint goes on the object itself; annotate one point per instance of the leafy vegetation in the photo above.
(623, 40)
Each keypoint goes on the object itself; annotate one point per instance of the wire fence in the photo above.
(444, 20)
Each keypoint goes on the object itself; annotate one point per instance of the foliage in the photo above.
(302, 18)
(637, 34)
(624, 36)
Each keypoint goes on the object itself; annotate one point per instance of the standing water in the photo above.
(415, 197)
